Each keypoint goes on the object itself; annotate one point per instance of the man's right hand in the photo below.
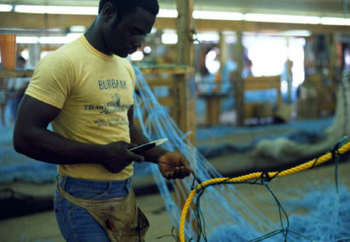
(118, 156)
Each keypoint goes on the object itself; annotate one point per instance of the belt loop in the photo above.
(110, 187)
(127, 185)
(62, 181)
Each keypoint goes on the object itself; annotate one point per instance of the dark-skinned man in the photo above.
(85, 90)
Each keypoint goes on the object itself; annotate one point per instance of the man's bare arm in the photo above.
(32, 138)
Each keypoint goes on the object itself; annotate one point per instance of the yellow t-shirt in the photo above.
(94, 92)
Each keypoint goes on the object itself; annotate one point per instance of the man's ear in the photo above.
(108, 12)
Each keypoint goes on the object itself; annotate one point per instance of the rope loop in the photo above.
(265, 178)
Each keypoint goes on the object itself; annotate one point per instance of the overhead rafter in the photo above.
(24, 20)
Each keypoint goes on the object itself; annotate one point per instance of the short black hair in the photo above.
(21, 58)
(125, 7)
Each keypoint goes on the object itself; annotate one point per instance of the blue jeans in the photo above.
(74, 222)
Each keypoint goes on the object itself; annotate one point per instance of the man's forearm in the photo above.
(44, 145)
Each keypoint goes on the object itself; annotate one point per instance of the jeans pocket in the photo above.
(84, 227)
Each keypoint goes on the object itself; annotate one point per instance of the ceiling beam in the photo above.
(24, 20)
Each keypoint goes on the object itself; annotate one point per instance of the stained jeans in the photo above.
(75, 223)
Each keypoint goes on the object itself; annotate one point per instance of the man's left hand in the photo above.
(174, 165)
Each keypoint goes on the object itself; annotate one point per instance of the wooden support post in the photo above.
(238, 81)
(185, 27)
(213, 109)
(223, 51)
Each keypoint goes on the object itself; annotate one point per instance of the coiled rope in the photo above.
(308, 165)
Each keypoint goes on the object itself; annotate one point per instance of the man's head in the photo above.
(21, 62)
(125, 23)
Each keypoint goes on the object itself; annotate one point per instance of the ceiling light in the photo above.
(147, 49)
(299, 33)
(277, 18)
(335, 21)
(5, 8)
(77, 29)
(56, 9)
(27, 40)
(137, 56)
(73, 36)
(217, 15)
(167, 13)
(53, 40)
(169, 38)
(209, 37)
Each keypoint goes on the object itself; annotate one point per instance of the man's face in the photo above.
(125, 36)
(20, 64)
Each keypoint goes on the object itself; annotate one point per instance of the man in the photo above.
(17, 88)
(3, 101)
(85, 89)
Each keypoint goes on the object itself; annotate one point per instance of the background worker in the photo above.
(16, 88)
(3, 100)
(85, 90)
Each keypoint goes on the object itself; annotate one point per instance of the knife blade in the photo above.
(147, 146)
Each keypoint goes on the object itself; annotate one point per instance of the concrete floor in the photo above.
(42, 227)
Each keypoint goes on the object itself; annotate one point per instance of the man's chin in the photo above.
(122, 55)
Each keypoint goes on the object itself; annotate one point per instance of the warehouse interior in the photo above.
(251, 86)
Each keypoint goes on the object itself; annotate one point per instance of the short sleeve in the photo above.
(53, 80)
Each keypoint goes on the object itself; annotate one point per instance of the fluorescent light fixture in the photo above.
(218, 15)
(335, 21)
(172, 13)
(169, 38)
(27, 40)
(208, 37)
(167, 13)
(278, 18)
(48, 40)
(137, 56)
(53, 40)
(300, 33)
(73, 36)
(147, 49)
(5, 8)
(56, 9)
(77, 28)
(227, 32)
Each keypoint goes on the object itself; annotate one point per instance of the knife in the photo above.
(147, 146)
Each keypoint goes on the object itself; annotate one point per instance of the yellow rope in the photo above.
(315, 162)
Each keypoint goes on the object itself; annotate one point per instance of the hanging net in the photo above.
(220, 211)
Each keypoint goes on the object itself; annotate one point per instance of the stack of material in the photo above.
(284, 150)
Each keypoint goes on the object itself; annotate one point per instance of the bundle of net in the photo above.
(221, 212)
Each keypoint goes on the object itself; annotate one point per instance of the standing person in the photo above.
(85, 90)
(3, 101)
(17, 88)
